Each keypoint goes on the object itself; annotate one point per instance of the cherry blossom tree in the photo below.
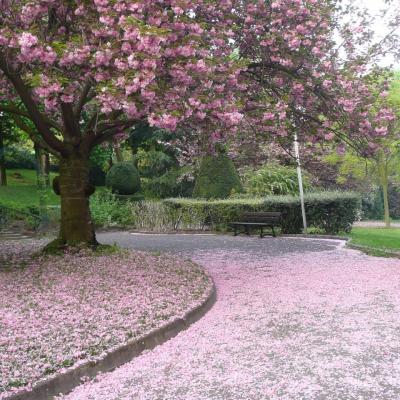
(379, 152)
(306, 62)
(303, 68)
(84, 72)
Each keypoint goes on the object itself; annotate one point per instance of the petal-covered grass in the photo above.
(58, 312)
(306, 326)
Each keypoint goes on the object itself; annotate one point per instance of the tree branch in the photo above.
(94, 139)
(34, 113)
(83, 98)
(11, 108)
(33, 135)
(71, 126)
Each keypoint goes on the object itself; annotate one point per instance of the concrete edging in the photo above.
(67, 381)
(310, 236)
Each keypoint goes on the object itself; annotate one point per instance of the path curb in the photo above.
(67, 381)
(310, 236)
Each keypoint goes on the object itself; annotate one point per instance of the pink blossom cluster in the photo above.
(144, 58)
(317, 325)
(297, 79)
(59, 312)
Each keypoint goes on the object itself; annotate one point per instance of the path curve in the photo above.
(295, 319)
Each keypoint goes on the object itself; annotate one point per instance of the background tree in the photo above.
(9, 135)
(6, 128)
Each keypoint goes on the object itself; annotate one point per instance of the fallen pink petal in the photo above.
(61, 311)
(302, 326)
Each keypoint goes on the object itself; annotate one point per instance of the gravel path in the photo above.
(190, 244)
(295, 319)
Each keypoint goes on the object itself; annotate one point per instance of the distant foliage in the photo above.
(176, 182)
(372, 203)
(18, 157)
(99, 158)
(217, 178)
(152, 163)
(273, 179)
(123, 178)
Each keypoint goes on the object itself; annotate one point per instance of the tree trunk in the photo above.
(118, 153)
(46, 168)
(75, 190)
(384, 178)
(3, 172)
(385, 187)
(39, 165)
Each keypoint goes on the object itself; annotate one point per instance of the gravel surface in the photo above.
(188, 244)
(294, 320)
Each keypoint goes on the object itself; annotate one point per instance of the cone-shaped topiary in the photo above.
(123, 178)
(217, 178)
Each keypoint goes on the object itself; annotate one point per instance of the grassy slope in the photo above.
(24, 192)
(379, 238)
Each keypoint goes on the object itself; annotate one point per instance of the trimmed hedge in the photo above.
(331, 212)
(217, 178)
(123, 178)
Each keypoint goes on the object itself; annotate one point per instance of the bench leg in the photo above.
(273, 232)
(247, 231)
(261, 232)
(235, 231)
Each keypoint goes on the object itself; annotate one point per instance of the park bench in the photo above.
(258, 220)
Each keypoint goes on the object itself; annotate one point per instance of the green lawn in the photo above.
(22, 190)
(377, 238)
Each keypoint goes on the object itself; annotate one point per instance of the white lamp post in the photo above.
(300, 178)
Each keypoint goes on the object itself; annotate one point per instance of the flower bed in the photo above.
(59, 312)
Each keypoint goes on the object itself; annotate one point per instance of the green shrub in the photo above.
(108, 211)
(176, 182)
(152, 163)
(273, 179)
(123, 178)
(331, 212)
(29, 217)
(217, 178)
(97, 177)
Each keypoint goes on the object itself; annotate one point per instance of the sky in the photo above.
(374, 7)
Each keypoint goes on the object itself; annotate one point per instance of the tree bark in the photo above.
(46, 168)
(385, 187)
(118, 153)
(3, 172)
(384, 178)
(39, 165)
(74, 188)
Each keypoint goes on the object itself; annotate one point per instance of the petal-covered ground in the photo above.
(58, 312)
(314, 325)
